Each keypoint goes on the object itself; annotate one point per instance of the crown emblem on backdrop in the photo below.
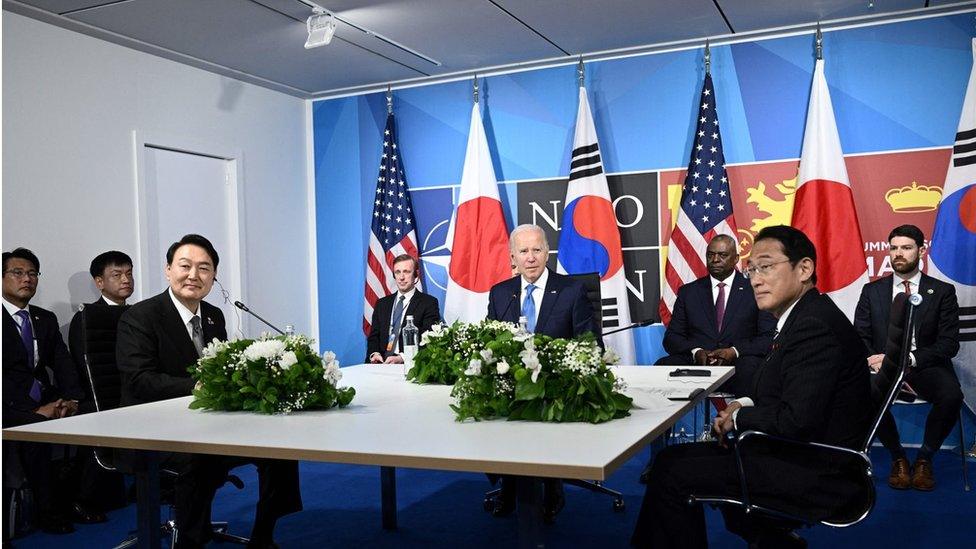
(913, 198)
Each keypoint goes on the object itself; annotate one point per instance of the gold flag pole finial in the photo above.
(389, 99)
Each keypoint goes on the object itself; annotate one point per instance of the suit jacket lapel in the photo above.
(708, 304)
(549, 297)
(924, 285)
(886, 289)
(209, 325)
(173, 325)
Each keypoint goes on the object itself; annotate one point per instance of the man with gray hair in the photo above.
(554, 305)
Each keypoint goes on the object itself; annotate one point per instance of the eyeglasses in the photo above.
(752, 271)
(20, 273)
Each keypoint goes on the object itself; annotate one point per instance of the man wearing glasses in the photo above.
(716, 321)
(812, 386)
(40, 382)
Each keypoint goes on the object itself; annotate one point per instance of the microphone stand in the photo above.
(644, 322)
(244, 308)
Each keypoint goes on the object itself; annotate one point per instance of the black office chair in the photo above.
(591, 282)
(99, 333)
(856, 464)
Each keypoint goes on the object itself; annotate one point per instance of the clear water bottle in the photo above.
(410, 342)
(289, 330)
(523, 329)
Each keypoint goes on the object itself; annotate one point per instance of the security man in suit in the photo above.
(158, 339)
(391, 311)
(716, 320)
(811, 387)
(96, 488)
(554, 305)
(40, 382)
(936, 341)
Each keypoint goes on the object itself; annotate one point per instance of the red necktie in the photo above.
(720, 306)
(908, 287)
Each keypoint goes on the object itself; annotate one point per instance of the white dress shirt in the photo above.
(110, 302)
(185, 314)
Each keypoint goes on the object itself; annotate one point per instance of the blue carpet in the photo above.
(443, 509)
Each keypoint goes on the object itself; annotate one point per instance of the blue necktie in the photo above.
(528, 308)
(395, 328)
(27, 338)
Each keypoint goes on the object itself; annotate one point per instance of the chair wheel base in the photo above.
(619, 505)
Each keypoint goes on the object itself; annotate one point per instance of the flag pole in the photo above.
(708, 58)
(389, 99)
(580, 71)
(475, 89)
(819, 41)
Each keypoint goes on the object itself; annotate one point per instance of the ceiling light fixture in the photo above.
(321, 27)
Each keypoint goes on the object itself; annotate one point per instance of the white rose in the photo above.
(487, 356)
(328, 356)
(610, 356)
(288, 360)
(474, 368)
(503, 367)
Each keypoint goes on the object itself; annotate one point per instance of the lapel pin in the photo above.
(929, 291)
(552, 291)
(210, 321)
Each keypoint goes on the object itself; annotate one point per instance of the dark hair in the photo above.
(103, 260)
(911, 231)
(195, 240)
(21, 253)
(796, 245)
(408, 257)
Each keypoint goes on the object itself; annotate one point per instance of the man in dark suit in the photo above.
(40, 382)
(384, 341)
(554, 305)
(936, 341)
(158, 340)
(96, 488)
(716, 320)
(812, 387)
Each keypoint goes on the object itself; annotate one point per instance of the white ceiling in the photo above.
(261, 41)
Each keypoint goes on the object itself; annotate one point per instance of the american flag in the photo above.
(706, 205)
(393, 229)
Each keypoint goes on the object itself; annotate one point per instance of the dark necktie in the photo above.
(395, 327)
(197, 334)
(528, 308)
(908, 287)
(720, 306)
(27, 338)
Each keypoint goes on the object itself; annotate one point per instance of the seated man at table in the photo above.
(812, 386)
(716, 320)
(390, 313)
(40, 382)
(554, 305)
(158, 340)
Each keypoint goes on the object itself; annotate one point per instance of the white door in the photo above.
(193, 193)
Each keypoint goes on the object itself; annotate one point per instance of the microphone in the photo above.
(509, 306)
(244, 308)
(645, 322)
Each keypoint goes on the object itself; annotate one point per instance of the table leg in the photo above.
(388, 503)
(147, 498)
(530, 513)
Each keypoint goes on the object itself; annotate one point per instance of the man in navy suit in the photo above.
(812, 386)
(554, 305)
(936, 341)
(385, 339)
(716, 320)
(40, 382)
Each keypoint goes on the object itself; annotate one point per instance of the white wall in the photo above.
(71, 105)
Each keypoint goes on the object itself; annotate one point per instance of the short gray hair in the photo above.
(523, 228)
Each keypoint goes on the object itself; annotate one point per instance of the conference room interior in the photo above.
(129, 124)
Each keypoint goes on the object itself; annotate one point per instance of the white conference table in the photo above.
(390, 423)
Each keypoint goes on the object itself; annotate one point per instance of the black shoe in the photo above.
(83, 515)
(55, 524)
(505, 502)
